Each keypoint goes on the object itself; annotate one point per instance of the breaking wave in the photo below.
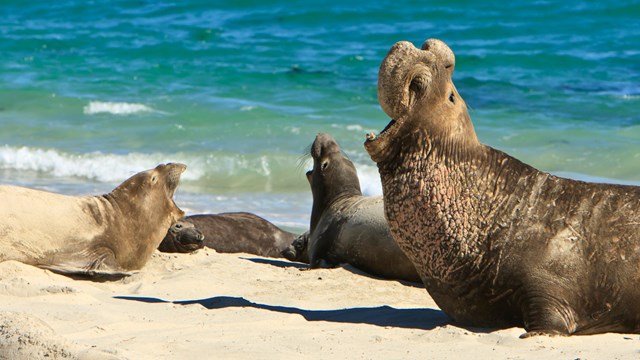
(116, 108)
(241, 172)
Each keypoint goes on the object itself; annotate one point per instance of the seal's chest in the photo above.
(430, 216)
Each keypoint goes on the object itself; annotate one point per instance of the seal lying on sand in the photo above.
(182, 237)
(347, 227)
(90, 235)
(228, 233)
(497, 242)
(297, 251)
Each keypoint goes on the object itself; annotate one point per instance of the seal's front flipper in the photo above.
(534, 333)
(97, 264)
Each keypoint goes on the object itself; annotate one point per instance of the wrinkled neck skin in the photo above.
(448, 188)
(141, 236)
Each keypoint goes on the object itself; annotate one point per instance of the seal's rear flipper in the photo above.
(87, 274)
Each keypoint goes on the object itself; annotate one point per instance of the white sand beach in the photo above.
(237, 306)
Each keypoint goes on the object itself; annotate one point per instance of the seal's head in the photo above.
(182, 237)
(333, 175)
(154, 189)
(297, 251)
(415, 89)
(145, 200)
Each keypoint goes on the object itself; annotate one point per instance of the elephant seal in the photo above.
(345, 226)
(182, 237)
(106, 235)
(232, 233)
(497, 242)
(297, 251)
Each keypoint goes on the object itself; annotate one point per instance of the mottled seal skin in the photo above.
(182, 237)
(345, 226)
(236, 232)
(497, 242)
(106, 235)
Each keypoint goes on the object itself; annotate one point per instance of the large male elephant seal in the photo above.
(497, 242)
(347, 227)
(90, 235)
(227, 233)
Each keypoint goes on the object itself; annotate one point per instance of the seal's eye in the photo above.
(452, 98)
(178, 226)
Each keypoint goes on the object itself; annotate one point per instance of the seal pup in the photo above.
(497, 242)
(345, 226)
(182, 237)
(106, 235)
(231, 232)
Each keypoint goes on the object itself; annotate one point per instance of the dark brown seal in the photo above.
(497, 242)
(230, 233)
(182, 237)
(297, 251)
(345, 226)
(90, 235)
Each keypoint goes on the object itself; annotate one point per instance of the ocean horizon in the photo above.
(91, 93)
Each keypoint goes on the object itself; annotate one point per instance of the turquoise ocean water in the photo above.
(94, 91)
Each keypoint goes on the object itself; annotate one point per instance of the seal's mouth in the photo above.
(373, 137)
(174, 172)
(376, 145)
(289, 253)
(193, 239)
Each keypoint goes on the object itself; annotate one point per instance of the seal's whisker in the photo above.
(302, 162)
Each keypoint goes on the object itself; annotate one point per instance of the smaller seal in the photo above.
(90, 236)
(347, 227)
(231, 232)
(182, 237)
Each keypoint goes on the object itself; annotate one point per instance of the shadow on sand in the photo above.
(425, 319)
(276, 262)
(302, 266)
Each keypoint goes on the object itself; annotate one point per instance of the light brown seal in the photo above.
(497, 242)
(345, 226)
(90, 235)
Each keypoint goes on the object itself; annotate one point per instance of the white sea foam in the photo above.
(370, 183)
(95, 166)
(116, 108)
(631, 97)
(368, 176)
